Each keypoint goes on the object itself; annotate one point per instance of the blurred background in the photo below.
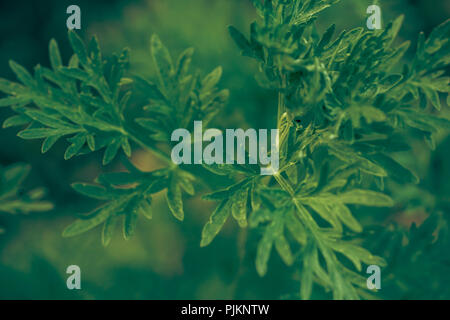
(164, 260)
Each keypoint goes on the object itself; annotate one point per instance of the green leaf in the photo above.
(37, 133)
(284, 250)
(162, 60)
(211, 80)
(108, 230)
(239, 207)
(10, 101)
(174, 199)
(263, 251)
(92, 191)
(306, 279)
(48, 143)
(75, 73)
(126, 147)
(111, 151)
(366, 197)
(81, 226)
(326, 38)
(78, 47)
(394, 169)
(55, 56)
(17, 120)
(240, 41)
(22, 74)
(345, 215)
(215, 223)
(129, 224)
(183, 63)
(145, 208)
(10, 87)
(77, 143)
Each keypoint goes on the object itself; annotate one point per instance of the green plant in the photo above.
(344, 107)
(12, 198)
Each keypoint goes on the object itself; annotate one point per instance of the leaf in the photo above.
(326, 210)
(174, 199)
(77, 143)
(9, 87)
(6, 102)
(22, 74)
(394, 169)
(295, 227)
(55, 56)
(345, 215)
(38, 133)
(145, 208)
(111, 151)
(366, 197)
(108, 230)
(92, 191)
(162, 60)
(75, 73)
(284, 250)
(129, 224)
(183, 63)
(211, 80)
(263, 252)
(326, 38)
(78, 47)
(17, 120)
(48, 143)
(215, 223)
(126, 147)
(240, 40)
(239, 207)
(306, 280)
(81, 226)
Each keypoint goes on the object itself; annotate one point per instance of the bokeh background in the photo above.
(164, 260)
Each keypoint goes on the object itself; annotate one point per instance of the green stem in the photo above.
(161, 155)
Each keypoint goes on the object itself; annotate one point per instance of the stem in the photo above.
(161, 155)
(309, 223)
(281, 101)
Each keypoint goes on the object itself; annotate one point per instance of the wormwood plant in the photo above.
(12, 198)
(345, 104)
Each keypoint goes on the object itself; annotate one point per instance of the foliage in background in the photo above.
(12, 198)
(344, 107)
